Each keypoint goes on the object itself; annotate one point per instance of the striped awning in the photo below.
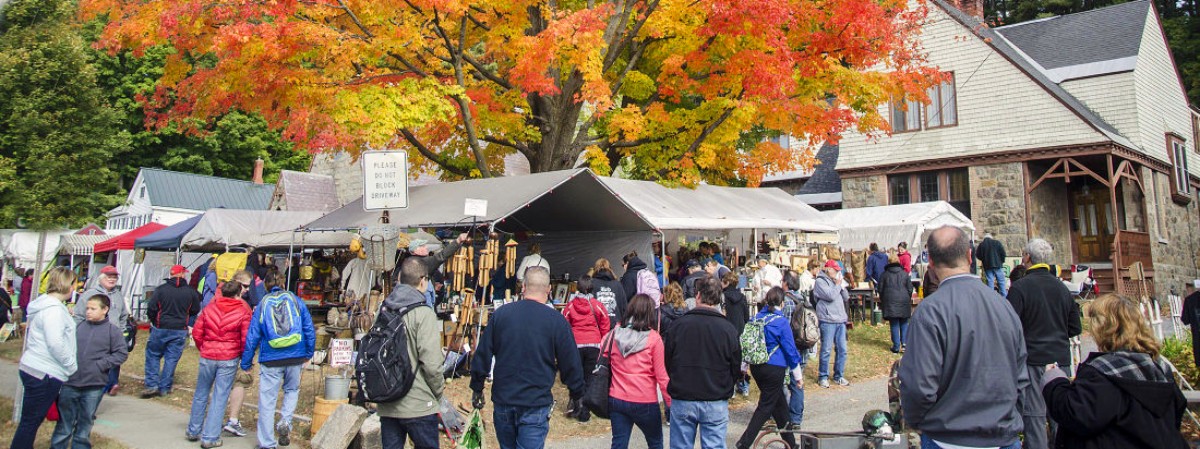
(79, 245)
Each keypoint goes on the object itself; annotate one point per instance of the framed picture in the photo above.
(561, 290)
(799, 263)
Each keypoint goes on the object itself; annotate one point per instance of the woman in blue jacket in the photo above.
(782, 366)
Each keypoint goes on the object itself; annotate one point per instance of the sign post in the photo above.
(385, 180)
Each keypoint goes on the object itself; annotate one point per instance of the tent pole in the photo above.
(288, 273)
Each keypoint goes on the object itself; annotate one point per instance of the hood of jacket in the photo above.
(42, 303)
(403, 295)
(672, 312)
(635, 265)
(604, 276)
(893, 267)
(630, 341)
(1138, 375)
(228, 305)
(582, 304)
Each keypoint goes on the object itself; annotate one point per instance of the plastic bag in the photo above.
(452, 420)
(473, 438)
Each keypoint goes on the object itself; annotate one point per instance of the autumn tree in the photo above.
(665, 87)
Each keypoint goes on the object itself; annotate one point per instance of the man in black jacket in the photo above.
(703, 360)
(171, 310)
(419, 248)
(529, 342)
(1049, 317)
(990, 253)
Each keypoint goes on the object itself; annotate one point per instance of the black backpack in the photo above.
(383, 369)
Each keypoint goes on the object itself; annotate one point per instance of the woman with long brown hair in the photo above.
(1123, 396)
(638, 375)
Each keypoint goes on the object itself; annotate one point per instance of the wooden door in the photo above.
(1092, 225)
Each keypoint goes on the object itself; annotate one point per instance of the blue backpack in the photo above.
(280, 318)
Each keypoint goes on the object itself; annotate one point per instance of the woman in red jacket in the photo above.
(220, 335)
(638, 375)
(588, 318)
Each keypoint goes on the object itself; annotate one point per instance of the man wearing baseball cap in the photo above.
(831, 313)
(118, 313)
(419, 248)
(173, 305)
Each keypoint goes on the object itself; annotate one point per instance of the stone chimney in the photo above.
(973, 8)
(258, 171)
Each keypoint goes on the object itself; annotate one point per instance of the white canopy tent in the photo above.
(890, 225)
(713, 208)
(21, 247)
(221, 229)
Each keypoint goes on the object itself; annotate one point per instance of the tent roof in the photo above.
(218, 229)
(168, 238)
(22, 245)
(890, 225)
(717, 208)
(79, 244)
(567, 200)
(125, 241)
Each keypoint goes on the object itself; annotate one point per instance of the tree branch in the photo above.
(354, 18)
(441, 161)
(484, 72)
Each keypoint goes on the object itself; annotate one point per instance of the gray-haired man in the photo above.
(1049, 317)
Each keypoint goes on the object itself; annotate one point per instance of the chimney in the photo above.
(258, 171)
(973, 8)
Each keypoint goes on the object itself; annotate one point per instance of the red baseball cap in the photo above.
(178, 269)
(833, 264)
(109, 270)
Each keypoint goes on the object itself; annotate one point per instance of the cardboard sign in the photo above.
(385, 180)
(341, 351)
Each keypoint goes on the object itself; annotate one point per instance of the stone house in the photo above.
(1075, 129)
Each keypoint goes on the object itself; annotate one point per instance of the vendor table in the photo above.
(860, 305)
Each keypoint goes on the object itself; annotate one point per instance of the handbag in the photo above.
(596, 396)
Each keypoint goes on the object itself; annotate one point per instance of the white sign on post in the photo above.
(475, 208)
(385, 180)
(340, 351)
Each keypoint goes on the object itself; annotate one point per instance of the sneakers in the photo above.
(150, 393)
(191, 438)
(281, 434)
(842, 381)
(235, 429)
(824, 383)
(212, 444)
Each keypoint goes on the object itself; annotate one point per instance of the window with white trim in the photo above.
(1180, 184)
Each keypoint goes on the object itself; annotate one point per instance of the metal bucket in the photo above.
(337, 387)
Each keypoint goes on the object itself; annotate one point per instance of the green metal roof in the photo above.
(199, 192)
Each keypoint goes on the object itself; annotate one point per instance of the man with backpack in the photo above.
(407, 409)
(172, 306)
(282, 333)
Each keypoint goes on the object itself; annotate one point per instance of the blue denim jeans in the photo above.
(795, 403)
(624, 415)
(114, 377)
(214, 377)
(39, 394)
(163, 351)
(833, 334)
(423, 431)
(995, 279)
(709, 419)
(927, 443)
(521, 427)
(899, 332)
(270, 379)
(76, 406)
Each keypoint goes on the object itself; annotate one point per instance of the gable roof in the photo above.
(1034, 71)
(199, 192)
(307, 191)
(1100, 41)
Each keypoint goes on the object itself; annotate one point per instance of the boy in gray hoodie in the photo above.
(100, 348)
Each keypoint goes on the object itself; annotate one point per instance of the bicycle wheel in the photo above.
(769, 439)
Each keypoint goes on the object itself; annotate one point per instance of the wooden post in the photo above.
(1028, 207)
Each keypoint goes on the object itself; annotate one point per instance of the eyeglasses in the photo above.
(245, 285)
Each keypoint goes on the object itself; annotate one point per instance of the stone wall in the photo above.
(1050, 218)
(346, 173)
(1174, 234)
(866, 191)
(1133, 206)
(998, 204)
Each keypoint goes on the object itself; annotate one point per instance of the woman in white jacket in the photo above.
(49, 355)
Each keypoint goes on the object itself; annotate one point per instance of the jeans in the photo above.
(215, 377)
(795, 403)
(165, 345)
(771, 404)
(114, 377)
(833, 334)
(742, 386)
(423, 431)
(899, 333)
(270, 379)
(39, 394)
(995, 278)
(710, 417)
(1032, 406)
(624, 415)
(927, 443)
(76, 406)
(521, 427)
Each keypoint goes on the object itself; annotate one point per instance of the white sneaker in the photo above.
(235, 429)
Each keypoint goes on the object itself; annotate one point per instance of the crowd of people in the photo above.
(981, 367)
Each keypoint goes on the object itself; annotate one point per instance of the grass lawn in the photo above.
(868, 348)
(8, 428)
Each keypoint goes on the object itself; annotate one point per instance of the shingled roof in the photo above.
(299, 191)
(199, 192)
(1089, 43)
